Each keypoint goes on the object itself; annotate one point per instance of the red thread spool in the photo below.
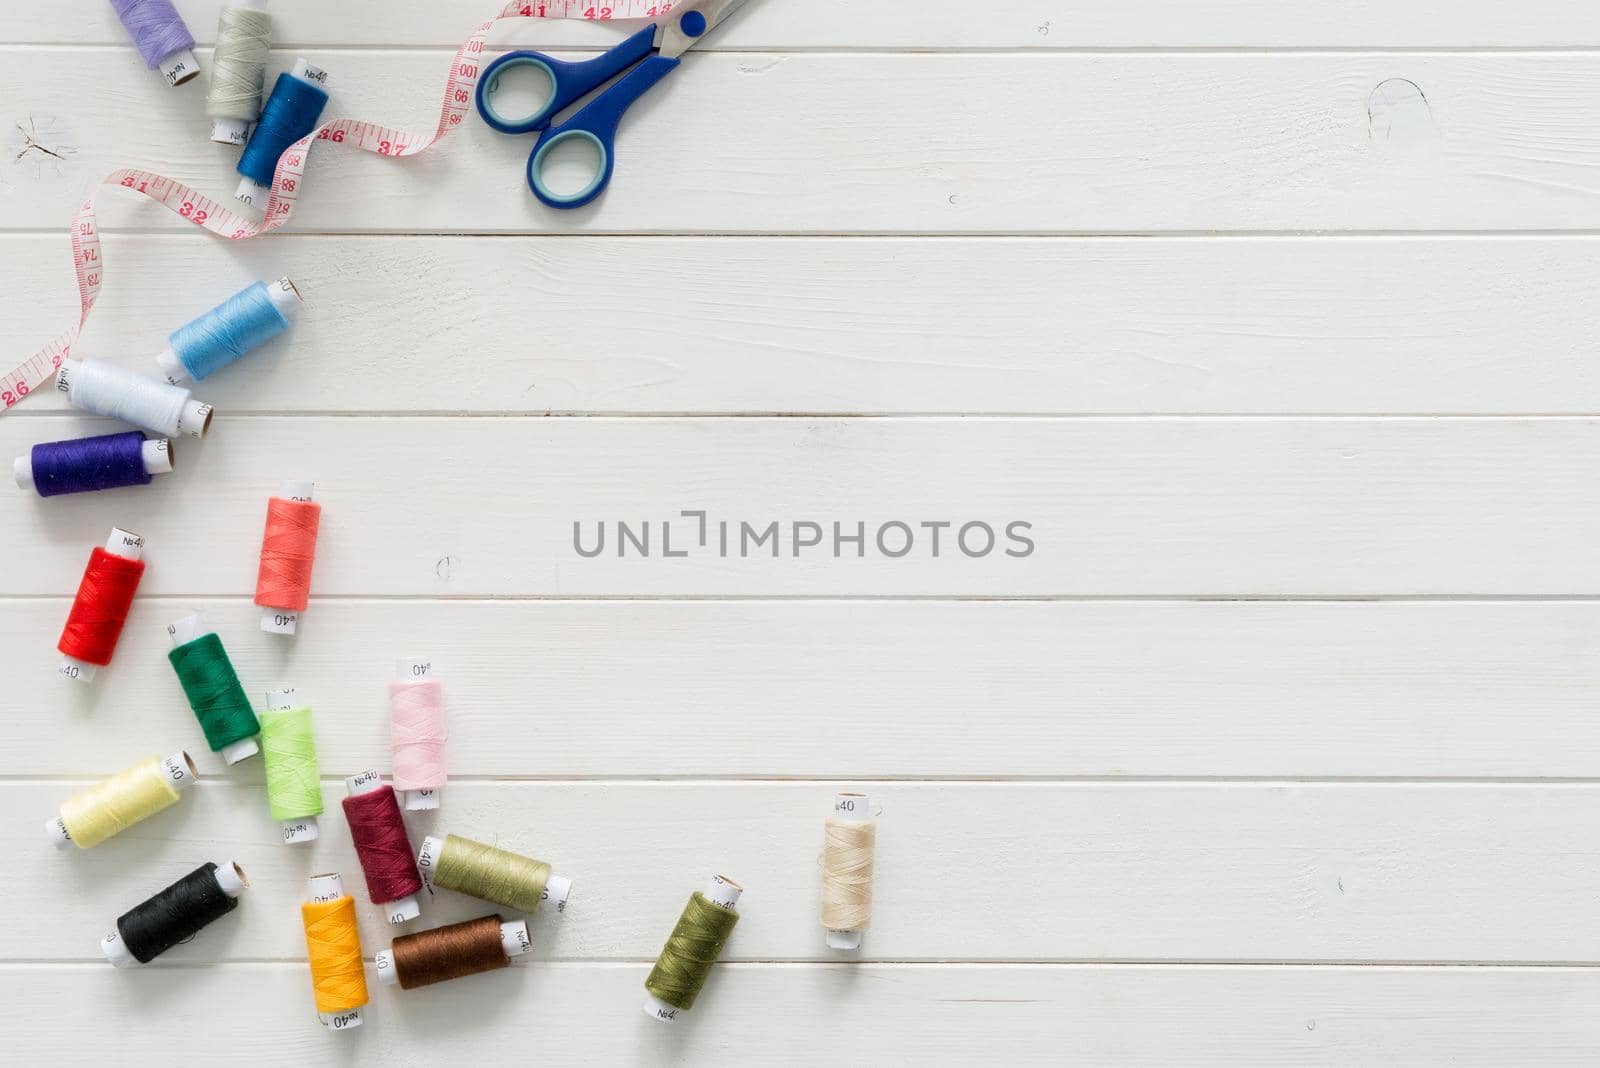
(105, 594)
(288, 548)
(385, 852)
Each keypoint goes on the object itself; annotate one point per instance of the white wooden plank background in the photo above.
(1274, 319)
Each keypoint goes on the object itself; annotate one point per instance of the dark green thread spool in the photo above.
(214, 692)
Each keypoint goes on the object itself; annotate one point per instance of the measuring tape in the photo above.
(211, 214)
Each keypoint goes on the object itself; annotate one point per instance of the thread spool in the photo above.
(379, 835)
(106, 389)
(238, 70)
(333, 949)
(289, 756)
(83, 465)
(161, 36)
(213, 689)
(290, 113)
(417, 733)
(461, 949)
(105, 593)
(248, 319)
(175, 914)
(107, 809)
(848, 843)
(490, 873)
(693, 947)
(288, 549)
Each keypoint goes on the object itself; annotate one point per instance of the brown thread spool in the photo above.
(427, 957)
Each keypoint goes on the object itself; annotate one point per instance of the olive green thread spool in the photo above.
(490, 873)
(693, 947)
(212, 687)
(289, 753)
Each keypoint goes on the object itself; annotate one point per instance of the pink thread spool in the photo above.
(417, 733)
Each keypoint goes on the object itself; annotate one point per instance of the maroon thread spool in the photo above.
(386, 856)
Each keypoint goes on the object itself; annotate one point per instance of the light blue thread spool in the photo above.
(248, 319)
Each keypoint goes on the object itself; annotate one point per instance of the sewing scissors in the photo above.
(655, 49)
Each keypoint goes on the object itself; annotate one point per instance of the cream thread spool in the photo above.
(557, 888)
(722, 892)
(330, 887)
(286, 620)
(121, 543)
(304, 828)
(417, 669)
(281, 292)
(156, 453)
(849, 808)
(514, 940)
(178, 769)
(191, 628)
(160, 407)
(401, 909)
(230, 880)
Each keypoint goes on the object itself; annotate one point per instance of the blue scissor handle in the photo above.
(595, 122)
(568, 81)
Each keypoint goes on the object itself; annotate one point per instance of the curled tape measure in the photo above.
(211, 214)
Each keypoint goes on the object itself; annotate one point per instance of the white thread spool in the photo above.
(231, 880)
(416, 669)
(121, 543)
(178, 769)
(400, 910)
(328, 886)
(155, 452)
(191, 628)
(305, 828)
(849, 808)
(251, 191)
(284, 296)
(234, 132)
(106, 389)
(557, 888)
(722, 892)
(285, 620)
(513, 939)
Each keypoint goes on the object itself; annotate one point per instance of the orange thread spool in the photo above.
(333, 947)
(288, 549)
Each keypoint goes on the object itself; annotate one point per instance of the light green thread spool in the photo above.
(294, 782)
(496, 875)
(693, 947)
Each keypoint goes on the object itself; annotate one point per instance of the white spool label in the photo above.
(427, 857)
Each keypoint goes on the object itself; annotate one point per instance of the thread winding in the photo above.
(451, 952)
(417, 734)
(175, 914)
(693, 947)
(105, 593)
(289, 756)
(490, 873)
(214, 692)
(111, 807)
(381, 844)
(82, 465)
(106, 389)
(239, 64)
(848, 847)
(288, 549)
(333, 949)
(244, 321)
(289, 114)
(156, 28)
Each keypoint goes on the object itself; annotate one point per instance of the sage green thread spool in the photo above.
(693, 947)
(289, 752)
(212, 687)
(238, 70)
(493, 874)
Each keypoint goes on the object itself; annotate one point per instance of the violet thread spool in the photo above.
(162, 38)
(84, 465)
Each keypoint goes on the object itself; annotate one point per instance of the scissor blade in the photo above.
(672, 39)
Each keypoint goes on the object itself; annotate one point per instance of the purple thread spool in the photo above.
(108, 461)
(161, 37)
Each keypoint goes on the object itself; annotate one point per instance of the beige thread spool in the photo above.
(848, 844)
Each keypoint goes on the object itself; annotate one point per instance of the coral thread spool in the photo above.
(245, 321)
(128, 797)
(333, 949)
(288, 548)
(290, 113)
(855, 810)
(160, 407)
(82, 465)
(369, 821)
(417, 733)
(392, 968)
(724, 894)
(101, 607)
(294, 791)
(123, 948)
(240, 717)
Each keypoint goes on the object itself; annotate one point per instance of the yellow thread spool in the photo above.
(333, 948)
(108, 809)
